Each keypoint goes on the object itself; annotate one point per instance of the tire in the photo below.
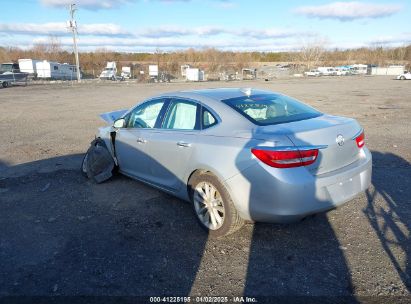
(229, 222)
(84, 165)
(5, 84)
(402, 78)
(101, 167)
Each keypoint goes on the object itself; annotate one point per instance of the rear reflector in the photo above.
(360, 139)
(286, 159)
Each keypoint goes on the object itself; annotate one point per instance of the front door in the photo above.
(131, 142)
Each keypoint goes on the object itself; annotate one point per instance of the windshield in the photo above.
(269, 109)
(6, 67)
(108, 69)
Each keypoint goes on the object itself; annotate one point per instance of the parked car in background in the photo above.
(235, 154)
(405, 76)
(342, 71)
(312, 73)
(10, 74)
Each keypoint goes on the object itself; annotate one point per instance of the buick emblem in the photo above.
(340, 140)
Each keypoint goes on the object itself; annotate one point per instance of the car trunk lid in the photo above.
(335, 134)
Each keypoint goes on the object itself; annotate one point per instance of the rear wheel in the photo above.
(402, 77)
(5, 84)
(213, 206)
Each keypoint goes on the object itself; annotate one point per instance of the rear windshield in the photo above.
(270, 109)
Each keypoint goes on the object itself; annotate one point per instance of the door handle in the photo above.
(183, 144)
(141, 140)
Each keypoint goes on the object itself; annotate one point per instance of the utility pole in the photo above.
(73, 27)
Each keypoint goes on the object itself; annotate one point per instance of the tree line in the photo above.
(210, 59)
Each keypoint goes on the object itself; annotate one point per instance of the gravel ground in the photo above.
(62, 235)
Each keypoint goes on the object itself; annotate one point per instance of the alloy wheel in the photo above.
(209, 205)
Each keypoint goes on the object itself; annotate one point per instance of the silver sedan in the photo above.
(235, 154)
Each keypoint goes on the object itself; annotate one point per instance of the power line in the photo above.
(73, 26)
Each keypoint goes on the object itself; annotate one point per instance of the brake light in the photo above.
(360, 139)
(286, 159)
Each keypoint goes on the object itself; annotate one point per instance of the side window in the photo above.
(208, 119)
(181, 115)
(145, 116)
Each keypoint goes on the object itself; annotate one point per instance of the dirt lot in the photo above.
(62, 235)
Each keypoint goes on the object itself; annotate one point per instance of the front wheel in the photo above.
(402, 78)
(98, 164)
(213, 206)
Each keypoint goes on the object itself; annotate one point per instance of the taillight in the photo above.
(286, 159)
(360, 139)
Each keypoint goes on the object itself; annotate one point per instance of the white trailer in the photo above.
(392, 70)
(194, 74)
(28, 66)
(327, 71)
(54, 70)
(153, 70)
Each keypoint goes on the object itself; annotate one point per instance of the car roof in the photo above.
(221, 93)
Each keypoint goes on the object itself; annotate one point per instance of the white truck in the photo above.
(110, 71)
(125, 73)
(10, 74)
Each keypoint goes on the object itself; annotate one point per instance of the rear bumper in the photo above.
(265, 194)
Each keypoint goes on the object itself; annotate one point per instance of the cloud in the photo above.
(174, 43)
(164, 31)
(225, 4)
(87, 4)
(177, 31)
(347, 11)
(97, 29)
(391, 41)
(173, 31)
(110, 4)
(273, 33)
(167, 37)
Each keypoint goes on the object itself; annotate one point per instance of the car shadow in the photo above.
(64, 235)
(297, 261)
(388, 210)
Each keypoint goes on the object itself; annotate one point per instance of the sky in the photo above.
(239, 25)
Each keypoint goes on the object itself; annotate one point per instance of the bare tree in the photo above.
(311, 53)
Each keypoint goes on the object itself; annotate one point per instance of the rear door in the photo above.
(131, 142)
(171, 146)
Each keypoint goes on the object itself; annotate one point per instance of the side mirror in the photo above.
(119, 123)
